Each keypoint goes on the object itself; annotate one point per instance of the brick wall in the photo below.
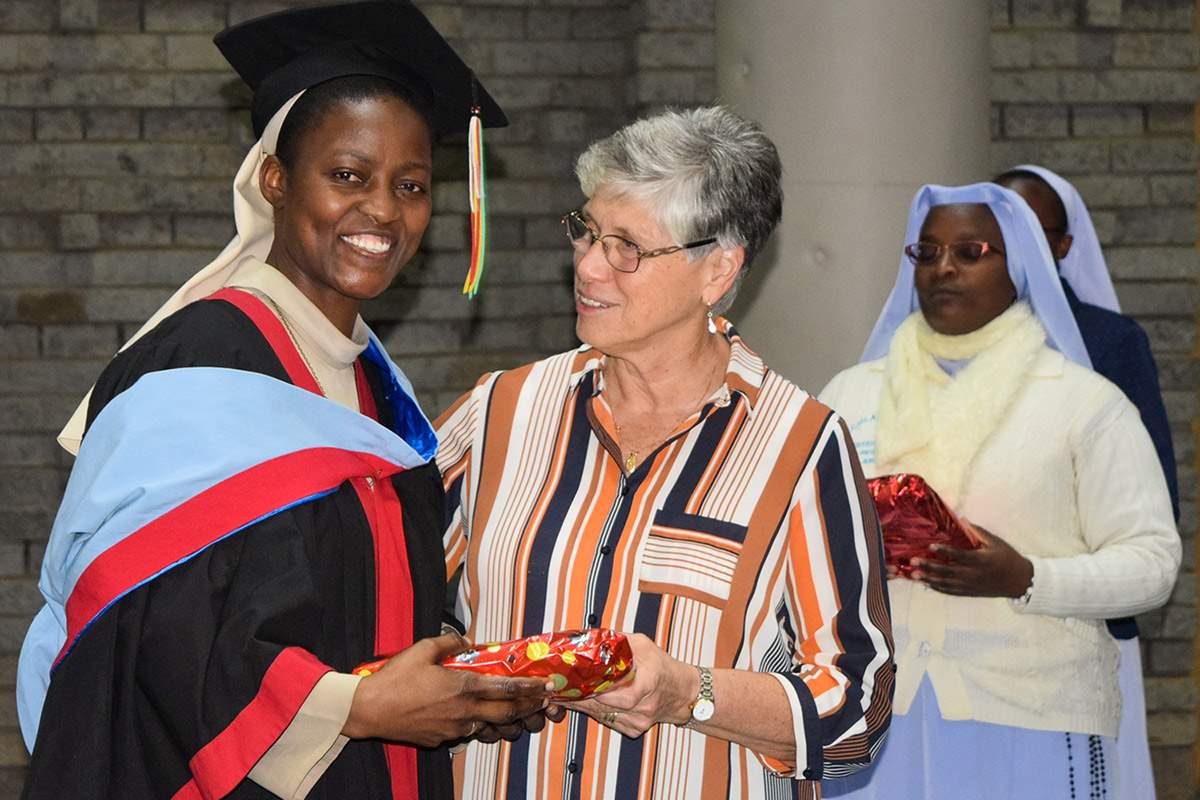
(1105, 91)
(120, 130)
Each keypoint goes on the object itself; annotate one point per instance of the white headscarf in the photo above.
(1030, 266)
(1084, 267)
(255, 225)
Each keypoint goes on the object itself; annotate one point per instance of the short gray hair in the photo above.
(703, 171)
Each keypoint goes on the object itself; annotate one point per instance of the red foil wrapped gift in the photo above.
(913, 517)
(579, 663)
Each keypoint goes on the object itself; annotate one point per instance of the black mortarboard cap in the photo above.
(280, 54)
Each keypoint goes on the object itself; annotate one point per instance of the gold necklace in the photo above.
(631, 458)
(287, 325)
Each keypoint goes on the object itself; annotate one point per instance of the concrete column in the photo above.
(866, 100)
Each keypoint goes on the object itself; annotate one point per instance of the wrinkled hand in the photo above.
(660, 689)
(414, 699)
(994, 570)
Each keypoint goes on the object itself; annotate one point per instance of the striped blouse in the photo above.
(747, 540)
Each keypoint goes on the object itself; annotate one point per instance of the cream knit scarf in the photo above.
(934, 424)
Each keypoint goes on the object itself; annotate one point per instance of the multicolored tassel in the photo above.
(478, 199)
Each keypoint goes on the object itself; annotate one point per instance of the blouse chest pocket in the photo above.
(690, 556)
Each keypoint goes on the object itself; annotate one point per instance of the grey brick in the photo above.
(1170, 658)
(538, 161)
(501, 334)
(421, 338)
(39, 194)
(111, 124)
(1128, 86)
(1173, 190)
(1044, 13)
(203, 230)
(131, 304)
(145, 268)
(613, 22)
(1158, 14)
(20, 597)
(1171, 728)
(79, 341)
(58, 125)
(548, 23)
(1035, 121)
(199, 16)
(1156, 50)
(111, 160)
(672, 50)
(1072, 49)
(1153, 155)
(493, 23)
(1155, 226)
(120, 15)
(16, 125)
(1102, 13)
(680, 14)
(18, 341)
(190, 52)
(135, 230)
(1001, 14)
(30, 270)
(206, 90)
(446, 232)
(1025, 87)
(1173, 118)
(1106, 120)
(1011, 49)
(45, 413)
(91, 89)
(1180, 622)
(996, 121)
(1169, 764)
(186, 125)
(12, 559)
(1156, 298)
(79, 231)
(79, 14)
(545, 58)
(27, 450)
(1153, 263)
(675, 87)
(27, 15)
(26, 232)
(1170, 694)
(242, 10)
(201, 195)
(1108, 191)
(1068, 157)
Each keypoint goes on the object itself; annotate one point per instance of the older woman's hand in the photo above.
(661, 689)
(994, 570)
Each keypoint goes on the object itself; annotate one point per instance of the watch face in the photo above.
(703, 710)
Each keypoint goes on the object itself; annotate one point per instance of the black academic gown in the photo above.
(174, 662)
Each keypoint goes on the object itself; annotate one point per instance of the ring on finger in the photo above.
(610, 718)
(476, 726)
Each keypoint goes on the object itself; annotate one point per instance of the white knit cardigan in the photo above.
(1071, 480)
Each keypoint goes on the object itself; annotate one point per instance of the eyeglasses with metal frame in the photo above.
(620, 253)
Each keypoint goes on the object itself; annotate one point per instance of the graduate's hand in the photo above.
(531, 724)
(994, 570)
(414, 699)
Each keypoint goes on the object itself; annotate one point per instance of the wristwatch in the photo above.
(704, 706)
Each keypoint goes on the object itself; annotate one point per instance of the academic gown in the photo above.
(178, 686)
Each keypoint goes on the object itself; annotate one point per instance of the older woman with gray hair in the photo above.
(662, 481)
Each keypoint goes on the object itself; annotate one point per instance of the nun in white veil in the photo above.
(976, 378)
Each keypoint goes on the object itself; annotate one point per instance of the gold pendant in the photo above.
(630, 461)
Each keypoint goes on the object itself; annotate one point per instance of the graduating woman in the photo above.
(976, 378)
(253, 511)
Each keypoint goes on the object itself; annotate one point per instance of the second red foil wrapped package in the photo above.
(913, 517)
